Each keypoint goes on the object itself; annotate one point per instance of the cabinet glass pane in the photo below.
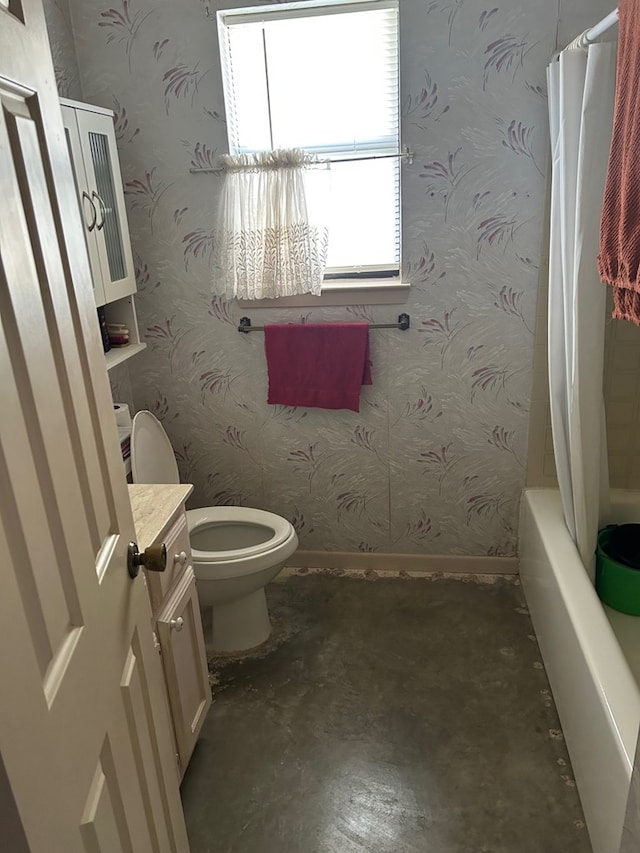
(99, 146)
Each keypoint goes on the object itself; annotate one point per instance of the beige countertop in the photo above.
(153, 506)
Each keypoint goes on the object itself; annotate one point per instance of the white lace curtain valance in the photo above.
(271, 235)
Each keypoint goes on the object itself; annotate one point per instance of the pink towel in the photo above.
(619, 258)
(322, 365)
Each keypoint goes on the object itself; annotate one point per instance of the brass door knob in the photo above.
(153, 558)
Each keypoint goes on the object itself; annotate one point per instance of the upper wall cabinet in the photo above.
(94, 157)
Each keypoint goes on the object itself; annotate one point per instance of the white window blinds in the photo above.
(324, 78)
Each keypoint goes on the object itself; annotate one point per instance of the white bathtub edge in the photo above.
(615, 681)
(596, 694)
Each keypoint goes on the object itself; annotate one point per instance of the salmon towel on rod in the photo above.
(321, 365)
(619, 257)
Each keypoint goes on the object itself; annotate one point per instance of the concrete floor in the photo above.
(388, 716)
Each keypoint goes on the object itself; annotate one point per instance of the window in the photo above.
(323, 76)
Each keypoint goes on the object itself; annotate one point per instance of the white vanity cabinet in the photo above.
(159, 516)
(92, 148)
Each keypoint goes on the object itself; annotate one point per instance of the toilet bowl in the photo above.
(236, 550)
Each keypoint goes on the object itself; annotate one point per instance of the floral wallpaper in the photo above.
(65, 63)
(434, 461)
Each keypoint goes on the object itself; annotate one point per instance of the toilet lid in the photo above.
(152, 459)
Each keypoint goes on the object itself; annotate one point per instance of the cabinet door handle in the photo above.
(90, 225)
(181, 558)
(177, 624)
(94, 194)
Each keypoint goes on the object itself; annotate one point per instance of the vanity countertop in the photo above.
(153, 506)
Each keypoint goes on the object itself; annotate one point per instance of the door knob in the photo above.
(181, 558)
(153, 558)
(177, 624)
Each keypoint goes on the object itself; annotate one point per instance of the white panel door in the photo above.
(84, 734)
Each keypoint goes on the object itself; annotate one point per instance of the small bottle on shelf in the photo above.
(102, 322)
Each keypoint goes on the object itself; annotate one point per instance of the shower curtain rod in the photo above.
(589, 36)
(601, 27)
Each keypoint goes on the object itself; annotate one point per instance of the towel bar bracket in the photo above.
(404, 323)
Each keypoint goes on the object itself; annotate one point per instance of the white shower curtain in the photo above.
(581, 92)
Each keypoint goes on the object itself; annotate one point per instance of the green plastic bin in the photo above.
(617, 585)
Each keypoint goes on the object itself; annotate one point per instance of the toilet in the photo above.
(236, 550)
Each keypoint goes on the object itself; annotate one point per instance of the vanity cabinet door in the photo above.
(185, 665)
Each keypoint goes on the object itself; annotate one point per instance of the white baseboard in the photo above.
(413, 565)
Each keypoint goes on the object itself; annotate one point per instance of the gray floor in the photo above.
(388, 716)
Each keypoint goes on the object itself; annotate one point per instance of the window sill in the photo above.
(372, 292)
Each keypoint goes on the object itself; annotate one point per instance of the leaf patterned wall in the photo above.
(435, 460)
(63, 53)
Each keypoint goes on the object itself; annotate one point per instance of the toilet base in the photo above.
(240, 625)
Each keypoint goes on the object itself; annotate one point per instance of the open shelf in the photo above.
(120, 354)
(123, 311)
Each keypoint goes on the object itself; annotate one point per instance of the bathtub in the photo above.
(592, 657)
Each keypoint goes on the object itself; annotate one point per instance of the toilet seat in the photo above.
(199, 519)
(269, 535)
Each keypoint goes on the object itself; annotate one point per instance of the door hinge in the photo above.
(156, 643)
